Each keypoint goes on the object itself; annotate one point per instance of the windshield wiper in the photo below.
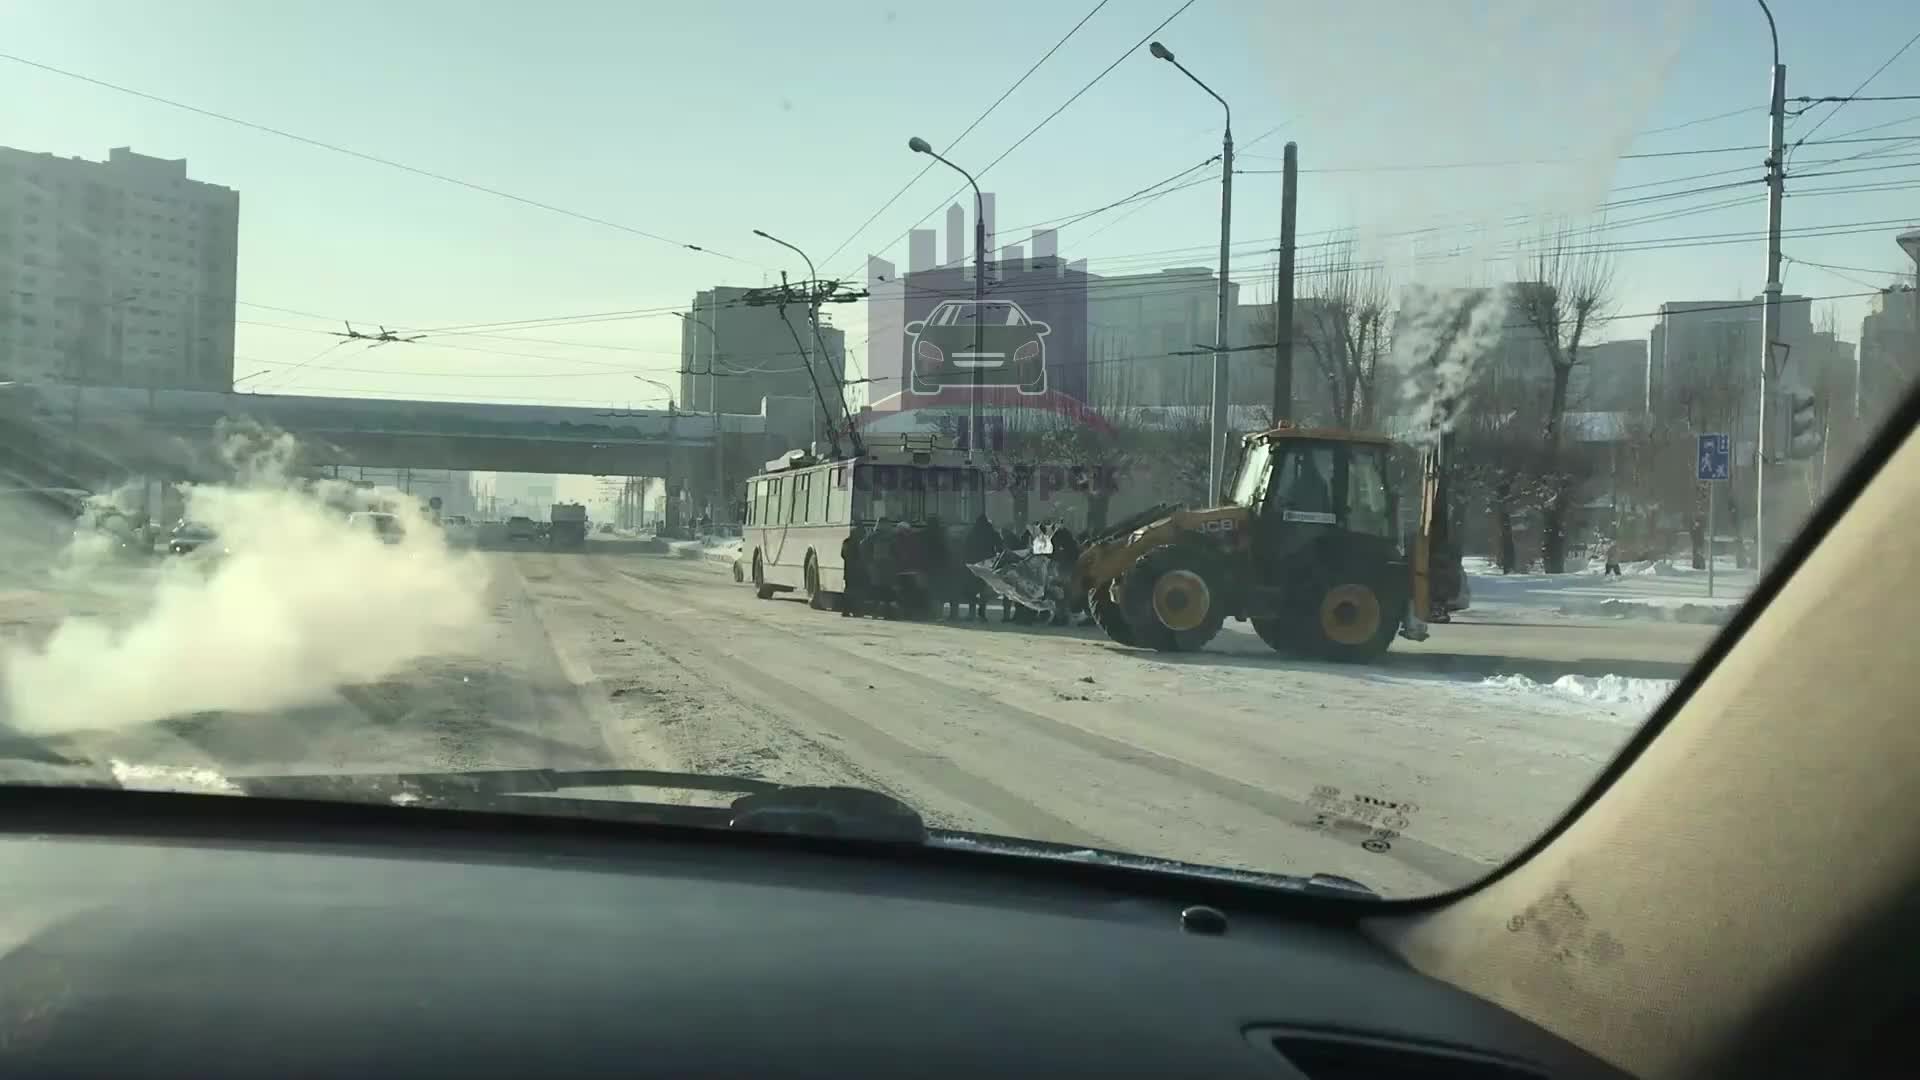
(761, 805)
(1021, 847)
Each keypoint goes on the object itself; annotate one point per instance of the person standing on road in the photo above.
(1066, 552)
(982, 544)
(1613, 558)
(853, 595)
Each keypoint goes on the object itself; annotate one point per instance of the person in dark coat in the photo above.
(853, 598)
(942, 584)
(1066, 552)
(982, 544)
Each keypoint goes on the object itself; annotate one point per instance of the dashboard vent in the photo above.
(1340, 1057)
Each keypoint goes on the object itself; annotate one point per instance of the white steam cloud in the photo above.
(1441, 341)
(288, 604)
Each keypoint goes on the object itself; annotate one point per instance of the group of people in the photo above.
(877, 561)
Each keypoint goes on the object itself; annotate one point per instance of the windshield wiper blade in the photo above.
(1021, 847)
(762, 805)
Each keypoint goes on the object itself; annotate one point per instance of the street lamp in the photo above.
(921, 146)
(672, 445)
(713, 408)
(813, 318)
(1217, 434)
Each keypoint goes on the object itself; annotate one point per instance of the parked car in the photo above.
(188, 537)
(386, 526)
(521, 527)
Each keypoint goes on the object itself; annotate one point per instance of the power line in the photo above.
(1702, 120)
(374, 158)
(1843, 266)
(1091, 83)
(1083, 215)
(1512, 162)
(1897, 53)
(976, 123)
(1831, 270)
(1856, 97)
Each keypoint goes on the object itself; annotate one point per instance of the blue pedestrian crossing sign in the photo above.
(1712, 460)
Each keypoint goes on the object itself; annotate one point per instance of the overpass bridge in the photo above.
(97, 434)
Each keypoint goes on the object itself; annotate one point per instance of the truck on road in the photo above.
(567, 525)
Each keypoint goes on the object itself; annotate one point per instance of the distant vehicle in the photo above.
(386, 526)
(1006, 348)
(606, 527)
(188, 537)
(520, 527)
(568, 527)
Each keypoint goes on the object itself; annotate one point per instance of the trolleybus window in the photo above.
(837, 497)
(817, 489)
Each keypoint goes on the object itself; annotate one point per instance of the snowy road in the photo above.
(1233, 756)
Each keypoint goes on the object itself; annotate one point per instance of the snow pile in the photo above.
(187, 779)
(720, 549)
(1665, 609)
(1641, 695)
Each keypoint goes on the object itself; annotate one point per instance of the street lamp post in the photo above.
(713, 409)
(673, 444)
(813, 316)
(1217, 432)
(974, 432)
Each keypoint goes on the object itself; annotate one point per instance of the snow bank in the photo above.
(1664, 609)
(720, 549)
(1640, 695)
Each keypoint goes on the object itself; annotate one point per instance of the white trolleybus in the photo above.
(802, 509)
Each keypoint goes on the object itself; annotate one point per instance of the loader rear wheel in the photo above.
(1355, 623)
(1350, 622)
(1175, 597)
(1108, 616)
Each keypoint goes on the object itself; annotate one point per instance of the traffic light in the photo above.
(1804, 436)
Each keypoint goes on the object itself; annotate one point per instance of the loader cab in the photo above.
(1300, 485)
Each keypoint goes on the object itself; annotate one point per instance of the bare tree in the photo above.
(1342, 325)
(1570, 291)
(1342, 319)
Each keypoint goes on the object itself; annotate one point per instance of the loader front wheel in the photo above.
(1175, 597)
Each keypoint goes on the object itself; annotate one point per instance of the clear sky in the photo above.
(701, 122)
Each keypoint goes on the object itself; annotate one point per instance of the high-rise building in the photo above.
(757, 355)
(1610, 377)
(117, 272)
(1889, 356)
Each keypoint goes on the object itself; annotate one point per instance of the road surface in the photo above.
(1233, 756)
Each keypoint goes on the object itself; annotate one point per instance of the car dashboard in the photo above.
(162, 935)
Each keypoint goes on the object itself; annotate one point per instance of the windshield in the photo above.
(278, 299)
(1251, 481)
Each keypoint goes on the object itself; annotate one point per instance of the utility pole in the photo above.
(1283, 290)
(1769, 442)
